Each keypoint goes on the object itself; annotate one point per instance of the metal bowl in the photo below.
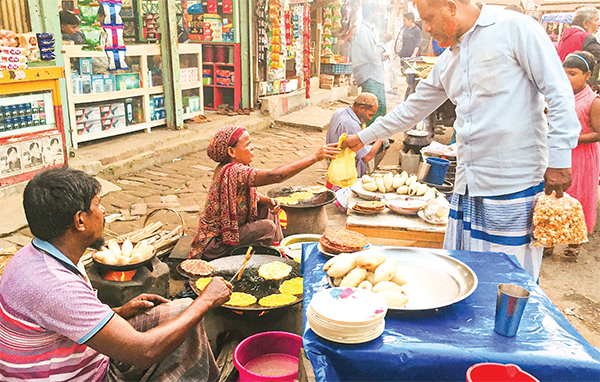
(435, 279)
(126, 267)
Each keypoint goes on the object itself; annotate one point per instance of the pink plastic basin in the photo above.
(497, 372)
(268, 356)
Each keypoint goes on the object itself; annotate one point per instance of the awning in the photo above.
(566, 18)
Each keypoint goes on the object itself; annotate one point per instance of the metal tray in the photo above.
(359, 191)
(435, 279)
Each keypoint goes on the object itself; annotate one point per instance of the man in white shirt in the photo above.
(498, 70)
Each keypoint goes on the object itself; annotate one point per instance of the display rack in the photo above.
(145, 95)
(32, 135)
(215, 92)
(193, 88)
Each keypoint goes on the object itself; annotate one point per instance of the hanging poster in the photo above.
(31, 154)
(10, 160)
(52, 150)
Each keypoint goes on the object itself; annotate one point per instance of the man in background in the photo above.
(69, 26)
(368, 54)
(349, 120)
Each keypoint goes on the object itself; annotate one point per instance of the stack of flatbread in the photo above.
(368, 206)
(342, 240)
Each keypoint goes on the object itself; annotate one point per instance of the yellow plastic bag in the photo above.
(342, 170)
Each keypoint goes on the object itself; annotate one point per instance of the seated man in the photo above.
(349, 120)
(69, 26)
(54, 327)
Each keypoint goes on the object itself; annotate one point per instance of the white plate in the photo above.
(350, 340)
(320, 248)
(349, 305)
(359, 191)
(422, 216)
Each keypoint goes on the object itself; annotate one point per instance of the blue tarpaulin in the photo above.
(441, 346)
(566, 18)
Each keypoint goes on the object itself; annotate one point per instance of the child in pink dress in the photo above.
(585, 166)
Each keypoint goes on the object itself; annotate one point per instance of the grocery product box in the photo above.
(193, 74)
(89, 127)
(192, 103)
(88, 113)
(98, 83)
(86, 83)
(159, 114)
(127, 81)
(184, 76)
(110, 84)
(112, 110)
(159, 101)
(113, 123)
(76, 82)
(85, 66)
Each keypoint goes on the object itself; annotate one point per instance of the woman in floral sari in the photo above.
(235, 213)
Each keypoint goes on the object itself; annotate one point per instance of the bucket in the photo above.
(437, 170)
(268, 356)
(497, 372)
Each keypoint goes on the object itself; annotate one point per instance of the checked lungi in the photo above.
(496, 224)
(378, 90)
(193, 360)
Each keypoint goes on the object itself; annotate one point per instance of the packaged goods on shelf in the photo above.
(127, 81)
(113, 123)
(85, 66)
(97, 83)
(90, 127)
(109, 83)
(112, 110)
(87, 113)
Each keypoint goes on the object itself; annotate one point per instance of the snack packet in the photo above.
(558, 221)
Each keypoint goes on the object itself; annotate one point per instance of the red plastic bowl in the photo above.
(497, 372)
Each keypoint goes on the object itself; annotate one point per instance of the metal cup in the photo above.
(509, 308)
(422, 171)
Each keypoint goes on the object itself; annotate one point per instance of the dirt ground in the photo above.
(573, 286)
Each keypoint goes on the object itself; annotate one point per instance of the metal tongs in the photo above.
(249, 254)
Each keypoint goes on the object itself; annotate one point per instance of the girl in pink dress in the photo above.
(585, 166)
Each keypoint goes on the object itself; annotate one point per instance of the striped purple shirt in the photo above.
(47, 313)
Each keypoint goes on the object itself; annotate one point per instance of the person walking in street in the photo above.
(349, 120)
(345, 35)
(498, 70)
(368, 54)
(54, 327)
(580, 36)
(235, 213)
(585, 158)
(411, 37)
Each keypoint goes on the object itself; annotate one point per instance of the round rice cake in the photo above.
(197, 267)
(275, 270)
(276, 300)
(292, 286)
(202, 282)
(316, 189)
(287, 200)
(241, 299)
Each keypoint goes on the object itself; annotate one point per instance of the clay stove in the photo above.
(151, 278)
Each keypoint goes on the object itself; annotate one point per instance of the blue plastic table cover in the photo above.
(441, 345)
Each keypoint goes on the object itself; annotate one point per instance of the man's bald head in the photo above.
(365, 106)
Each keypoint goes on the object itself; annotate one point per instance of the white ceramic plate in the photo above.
(320, 248)
(422, 216)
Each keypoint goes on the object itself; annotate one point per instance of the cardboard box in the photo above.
(128, 81)
(90, 127)
(76, 82)
(112, 110)
(86, 114)
(113, 123)
(97, 83)
(85, 66)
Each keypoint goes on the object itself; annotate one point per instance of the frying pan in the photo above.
(251, 282)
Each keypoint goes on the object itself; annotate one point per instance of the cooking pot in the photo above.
(417, 138)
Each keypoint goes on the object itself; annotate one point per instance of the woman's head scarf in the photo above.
(224, 138)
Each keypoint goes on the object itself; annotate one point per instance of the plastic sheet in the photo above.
(441, 345)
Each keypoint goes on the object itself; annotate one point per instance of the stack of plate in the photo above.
(347, 315)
